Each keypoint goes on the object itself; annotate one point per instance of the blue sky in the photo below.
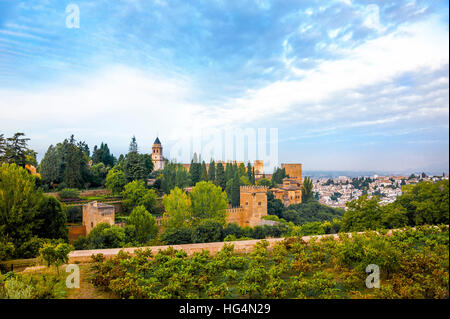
(350, 85)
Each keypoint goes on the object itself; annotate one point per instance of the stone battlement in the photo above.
(254, 189)
(235, 210)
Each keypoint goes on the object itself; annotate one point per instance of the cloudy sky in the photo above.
(350, 85)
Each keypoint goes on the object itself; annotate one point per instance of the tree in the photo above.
(145, 224)
(307, 190)
(51, 166)
(426, 202)
(362, 214)
(174, 175)
(204, 172)
(241, 169)
(212, 171)
(136, 194)
(137, 166)
(103, 155)
(177, 236)
(50, 220)
(207, 231)
(133, 148)
(208, 202)
(310, 211)
(195, 170)
(274, 205)
(19, 203)
(249, 172)
(75, 164)
(15, 150)
(220, 176)
(235, 191)
(98, 174)
(115, 180)
(264, 182)
(278, 175)
(55, 254)
(177, 209)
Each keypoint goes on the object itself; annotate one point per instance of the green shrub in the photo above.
(69, 193)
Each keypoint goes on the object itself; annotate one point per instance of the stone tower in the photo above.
(157, 155)
(95, 213)
(253, 207)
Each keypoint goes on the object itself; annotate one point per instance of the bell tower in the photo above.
(157, 155)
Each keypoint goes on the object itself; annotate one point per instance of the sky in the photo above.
(349, 85)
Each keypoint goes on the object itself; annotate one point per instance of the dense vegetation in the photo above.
(413, 263)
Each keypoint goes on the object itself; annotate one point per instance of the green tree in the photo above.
(145, 224)
(15, 150)
(177, 236)
(133, 148)
(235, 191)
(264, 182)
(278, 175)
(362, 214)
(196, 172)
(212, 171)
(55, 254)
(208, 202)
(177, 209)
(307, 190)
(426, 202)
(204, 172)
(274, 205)
(98, 174)
(220, 176)
(103, 155)
(19, 203)
(207, 231)
(115, 180)
(137, 166)
(241, 169)
(135, 194)
(50, 220)
(174, 175)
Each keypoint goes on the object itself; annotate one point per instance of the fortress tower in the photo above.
(253, 207)
(157, 155)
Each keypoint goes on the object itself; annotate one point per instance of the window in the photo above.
(259, 203)
(246, 204)
(92, 224)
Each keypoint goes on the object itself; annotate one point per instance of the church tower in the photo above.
(157, 155)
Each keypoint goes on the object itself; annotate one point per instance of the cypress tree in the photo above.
(249, 172)
(212, 171)
(220, 176)
(235, 191)
(204, 172)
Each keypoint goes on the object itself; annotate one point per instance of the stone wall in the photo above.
(86, 193)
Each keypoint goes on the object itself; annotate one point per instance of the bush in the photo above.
(69, 193)
(208, 231)
(177, 236)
